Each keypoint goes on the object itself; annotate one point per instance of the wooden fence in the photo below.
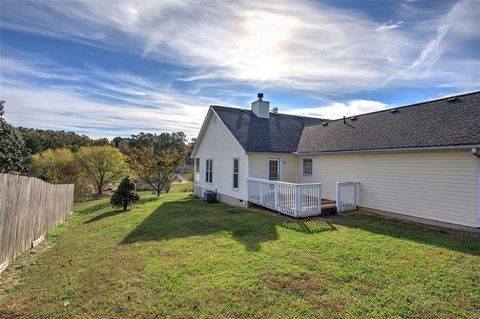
(29, 207)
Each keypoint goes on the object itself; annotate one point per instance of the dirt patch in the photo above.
(11, 278)
(298, 284)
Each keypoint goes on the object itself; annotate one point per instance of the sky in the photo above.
(116, 68)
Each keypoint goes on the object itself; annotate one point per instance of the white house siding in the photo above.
(218, 144)
(436, 185)
(258, 166)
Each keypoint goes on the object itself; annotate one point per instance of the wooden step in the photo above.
(329, 208)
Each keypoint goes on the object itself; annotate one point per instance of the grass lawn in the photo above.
(177, 257)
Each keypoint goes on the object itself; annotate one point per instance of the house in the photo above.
(184, 169)
(418, 162)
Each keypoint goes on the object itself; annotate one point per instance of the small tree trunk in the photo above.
(158, 192)
(125, 204)
(99, 190)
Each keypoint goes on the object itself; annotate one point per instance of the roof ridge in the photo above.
(283, 114)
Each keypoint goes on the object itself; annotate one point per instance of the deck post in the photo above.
(337, 195)
(276, 190)
(298, 200)
(260, 189)
(319, 187)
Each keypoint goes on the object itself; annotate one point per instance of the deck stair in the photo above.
(329, 207)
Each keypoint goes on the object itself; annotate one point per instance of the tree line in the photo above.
(67, 157)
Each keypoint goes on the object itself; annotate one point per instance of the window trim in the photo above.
(233, 173)
(209, 169)
(303, 166)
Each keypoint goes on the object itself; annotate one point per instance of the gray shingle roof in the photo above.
(277, 134)
(444, 122)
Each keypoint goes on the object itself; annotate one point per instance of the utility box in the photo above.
(210, 196)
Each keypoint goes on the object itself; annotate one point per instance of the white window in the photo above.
(208, 170)
(307, 167)
(197, 165)
(236, 163)
(274, 169)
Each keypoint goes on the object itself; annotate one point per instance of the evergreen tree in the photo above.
(125, 194)
(12, 147)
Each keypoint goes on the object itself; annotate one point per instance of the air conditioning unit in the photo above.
(210, 196)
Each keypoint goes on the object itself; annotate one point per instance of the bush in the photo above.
(61, 166)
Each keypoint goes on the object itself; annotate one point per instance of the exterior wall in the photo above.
(219, 145)
(436, 185)
(478, 188)
(258, 166)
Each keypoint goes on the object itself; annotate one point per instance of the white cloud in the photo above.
(337, 110)
(56, 108)
(462, 18)
(390, 25)
(104, 104)
(306, 46)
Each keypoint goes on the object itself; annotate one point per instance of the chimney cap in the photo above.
(260, 96)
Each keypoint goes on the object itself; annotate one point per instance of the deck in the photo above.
(300, 200)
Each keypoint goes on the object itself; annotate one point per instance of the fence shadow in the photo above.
(105, 215)
(94, 208)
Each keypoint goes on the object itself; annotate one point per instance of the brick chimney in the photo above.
(260, 107)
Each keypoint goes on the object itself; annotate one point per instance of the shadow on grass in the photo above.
(460, 241)
(185, 218)
(147, 199)
(105, 215)
(94, 208)
(311, 226)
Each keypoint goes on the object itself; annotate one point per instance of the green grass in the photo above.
(177, 257)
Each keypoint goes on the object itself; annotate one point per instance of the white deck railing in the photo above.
(297, 200)
(347, 196)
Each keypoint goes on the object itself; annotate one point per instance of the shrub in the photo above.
(125, 194)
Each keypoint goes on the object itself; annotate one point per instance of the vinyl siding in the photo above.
(437, 185)
(218, 144)
(258, 166)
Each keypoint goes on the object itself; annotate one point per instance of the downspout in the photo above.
(476, 153)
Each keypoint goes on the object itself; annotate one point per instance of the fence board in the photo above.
(29, 207)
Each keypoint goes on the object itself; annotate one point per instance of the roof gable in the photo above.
(280, 133)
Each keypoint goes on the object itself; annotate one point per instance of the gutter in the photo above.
(406, 149)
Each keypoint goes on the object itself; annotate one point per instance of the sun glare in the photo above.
(261, 53)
